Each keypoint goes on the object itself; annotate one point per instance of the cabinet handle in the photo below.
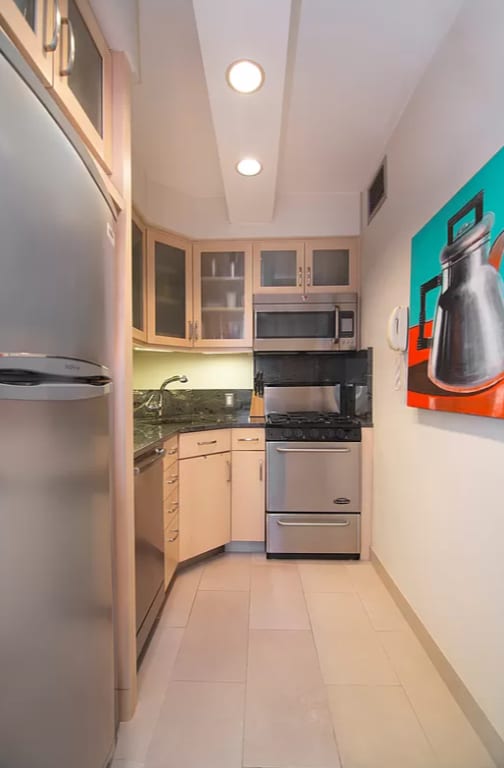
(174, 506)
(300, 276)
(174, 538)
(248, 439)
(67, 70)
(196, 337)
(261, 471)
(172, 452)
(229, 471)
(207, 442)
(190, 332)
(52, 45)
(173, 480)
(308, 275)
(160, 451)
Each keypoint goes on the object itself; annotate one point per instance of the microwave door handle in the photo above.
(336, 324)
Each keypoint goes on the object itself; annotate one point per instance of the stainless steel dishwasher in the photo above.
(149, 541)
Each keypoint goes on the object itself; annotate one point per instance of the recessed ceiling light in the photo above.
(249, 166)
(245, 76)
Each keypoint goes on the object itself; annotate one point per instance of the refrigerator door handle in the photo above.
(50, 365)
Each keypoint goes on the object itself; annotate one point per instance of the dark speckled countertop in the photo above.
(148, 434)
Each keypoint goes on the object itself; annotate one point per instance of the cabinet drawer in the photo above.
(171, 448)
(171, 550)
(204, 443)
(247, 439)
(313, 534)
(171, 501)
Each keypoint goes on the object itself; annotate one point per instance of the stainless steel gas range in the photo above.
(313, 471)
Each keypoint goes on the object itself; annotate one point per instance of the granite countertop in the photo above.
(147, 433)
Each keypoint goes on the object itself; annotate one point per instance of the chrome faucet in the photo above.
(155, 401)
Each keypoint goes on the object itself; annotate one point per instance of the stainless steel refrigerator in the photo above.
(56, 267)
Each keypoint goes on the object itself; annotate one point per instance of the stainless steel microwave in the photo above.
(305, 323)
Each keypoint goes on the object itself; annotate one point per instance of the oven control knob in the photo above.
(286, 434)
(314, 434)
(340, 434)
(298, 433)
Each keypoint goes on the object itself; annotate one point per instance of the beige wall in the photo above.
(438, 506)
(232, 371)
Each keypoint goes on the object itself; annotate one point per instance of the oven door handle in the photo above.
(336, 324)
(314, 450)
(342, 524)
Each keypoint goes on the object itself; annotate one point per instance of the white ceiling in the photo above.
(338, 76)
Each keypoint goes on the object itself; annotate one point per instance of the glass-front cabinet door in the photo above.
(82, 76)
(138, 278)
(32, 24)
(331, 265)
(169, 287)
(279, 266)
(222, 294)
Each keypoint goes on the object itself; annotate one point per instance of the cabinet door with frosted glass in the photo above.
(279, 266)
(332, 265)
(169, 289)
(33, 26)
(222, 294)
(82, 77)
(138, 278)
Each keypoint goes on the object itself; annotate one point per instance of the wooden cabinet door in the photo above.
(332, 265)
(222, 294)
(139, 278)
(34, 28)
(205, 503)
(248, 515)
(278, 266)
(169, 289)
(82, 77)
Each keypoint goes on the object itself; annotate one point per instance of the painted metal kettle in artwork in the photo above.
(467, 343)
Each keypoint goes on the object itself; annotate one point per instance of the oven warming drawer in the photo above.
(313, 534)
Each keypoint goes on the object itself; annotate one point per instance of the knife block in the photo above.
(257, 406)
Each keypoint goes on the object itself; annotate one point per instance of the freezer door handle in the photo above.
(53, 391)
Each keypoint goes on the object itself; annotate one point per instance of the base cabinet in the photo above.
(248, 496)
(205, 503)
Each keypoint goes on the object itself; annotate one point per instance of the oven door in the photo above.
(313, 477)
(296, 327)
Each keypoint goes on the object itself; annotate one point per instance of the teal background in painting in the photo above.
(427, 244)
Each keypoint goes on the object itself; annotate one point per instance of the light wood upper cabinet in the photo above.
(82, 76)
(331, 265)
(278, 266)
(306, 266)
(169, 289)
(139, 278)
(222, 294)
(62, 42)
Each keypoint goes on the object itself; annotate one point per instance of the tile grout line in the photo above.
(245, 687)
(333, 726)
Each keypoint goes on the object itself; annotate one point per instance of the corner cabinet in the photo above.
(306, 266)
(169, 290)
(222, 294)
(63, 43)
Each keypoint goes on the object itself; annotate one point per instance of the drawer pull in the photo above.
(173, 480)
(248, 439)
(174, 505)
(207, 442)
(172, 452)
(341, 500)
(174, 538)
(344, 524)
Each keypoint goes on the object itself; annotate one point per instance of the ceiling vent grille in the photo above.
(377, 191)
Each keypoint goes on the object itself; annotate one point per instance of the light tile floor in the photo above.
(275, 664)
